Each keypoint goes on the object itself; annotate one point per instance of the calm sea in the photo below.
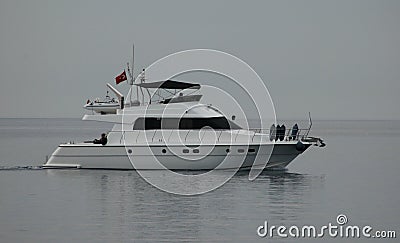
(356, 174)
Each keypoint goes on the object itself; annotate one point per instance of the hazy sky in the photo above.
(337, 59)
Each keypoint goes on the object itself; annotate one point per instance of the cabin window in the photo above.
(196, 151)
(240, 151)
(185, 151)
(252, 150)
(184, 123)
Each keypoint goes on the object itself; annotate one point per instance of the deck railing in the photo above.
(288, 134)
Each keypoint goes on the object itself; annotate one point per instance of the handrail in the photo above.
(288, 136)
(301, 133)
(220, 133)
(152, 139)
(252, 138)
(237, 134)
(122, 135)
(138, 136)
(187, 134)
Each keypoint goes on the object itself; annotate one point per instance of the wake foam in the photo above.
(21, 167)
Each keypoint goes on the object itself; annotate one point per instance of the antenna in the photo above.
(130, 73)
(133, 62)
(142, 80)
(130, 70)
(309, 128)
(133, 59)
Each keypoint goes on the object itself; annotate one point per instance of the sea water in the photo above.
(356, 175)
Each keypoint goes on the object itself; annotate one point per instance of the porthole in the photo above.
(185, 151)
(241, 151)
(196, 151)
(228, 151)
(252, 150)
(130, 151)
(163, 151)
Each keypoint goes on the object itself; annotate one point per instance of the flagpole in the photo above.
(130, 83)
(130, 71)
(133, 62)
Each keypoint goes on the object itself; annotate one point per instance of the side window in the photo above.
(183, 123)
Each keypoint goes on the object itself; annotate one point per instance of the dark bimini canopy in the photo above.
(169, 84)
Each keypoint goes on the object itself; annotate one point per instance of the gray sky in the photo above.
(337, 59)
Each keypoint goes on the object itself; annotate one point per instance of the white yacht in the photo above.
(182, 134)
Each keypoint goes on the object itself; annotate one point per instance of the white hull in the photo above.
(91, 156)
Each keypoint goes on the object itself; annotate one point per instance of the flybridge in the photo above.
(173, 94)
(166, 92)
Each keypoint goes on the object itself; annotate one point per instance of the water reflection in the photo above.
(289, 194)
(123, 203)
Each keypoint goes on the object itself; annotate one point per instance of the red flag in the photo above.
(120, 78)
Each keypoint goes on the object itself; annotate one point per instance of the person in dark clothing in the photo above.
(102, 140)
(272, 132)
(283, 131)
(278, 132)
(295, 130)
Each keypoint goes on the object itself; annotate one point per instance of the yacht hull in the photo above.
(204, 157)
